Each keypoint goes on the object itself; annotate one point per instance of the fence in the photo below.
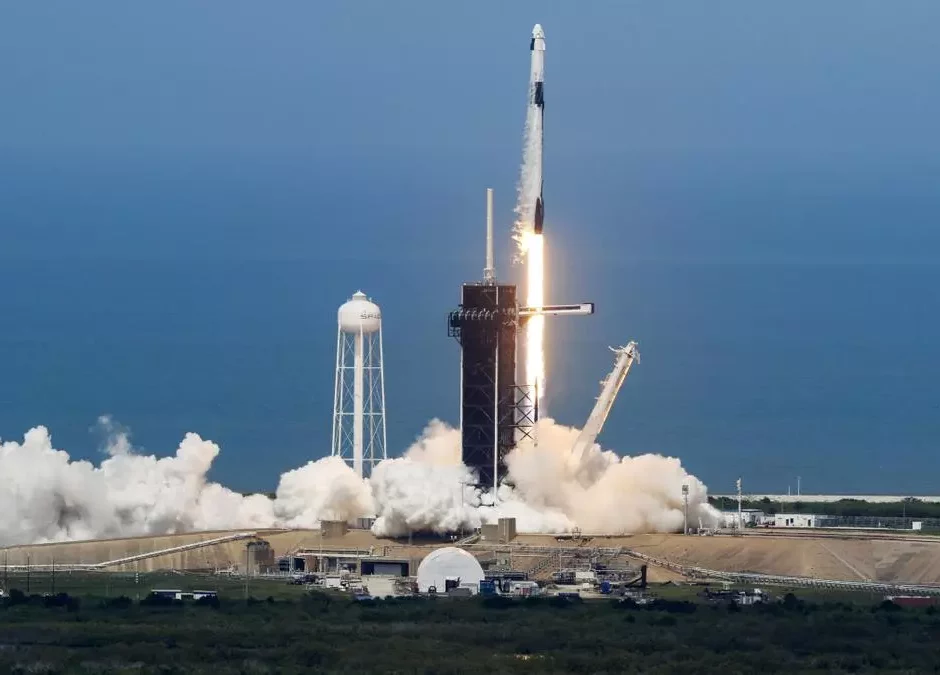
(878, 522)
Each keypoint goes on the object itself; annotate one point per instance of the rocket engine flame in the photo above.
(534, 246)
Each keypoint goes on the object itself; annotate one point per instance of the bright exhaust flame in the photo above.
(533, 246)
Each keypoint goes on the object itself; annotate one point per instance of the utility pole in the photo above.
(460, 487)
(740, 519)
(685, 518)
(797, 486)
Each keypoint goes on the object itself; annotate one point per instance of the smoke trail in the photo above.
(49, 497)
(530, 180)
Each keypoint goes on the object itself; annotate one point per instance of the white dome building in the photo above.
(359, 394)
(452, 565)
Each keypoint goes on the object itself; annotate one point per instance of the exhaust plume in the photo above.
(49, 497)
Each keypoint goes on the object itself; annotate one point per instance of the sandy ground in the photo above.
(901, 560)
(850, 556)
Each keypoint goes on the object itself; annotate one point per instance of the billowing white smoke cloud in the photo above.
(49, 497)
(427, 489)
(551, 490)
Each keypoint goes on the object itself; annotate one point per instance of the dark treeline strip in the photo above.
(328, 633)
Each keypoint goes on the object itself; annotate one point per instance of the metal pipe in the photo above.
(357, 403)
(489, 272)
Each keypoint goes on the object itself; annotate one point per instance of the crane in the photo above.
(610, 387)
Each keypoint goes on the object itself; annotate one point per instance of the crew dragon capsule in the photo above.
(537, 106)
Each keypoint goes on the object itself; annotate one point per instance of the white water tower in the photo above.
(359, 396)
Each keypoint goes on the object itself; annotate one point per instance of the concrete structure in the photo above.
(259, 557)
(890, 557)
(506, 528)
(333, 529)
(502, 531)
(359, 394)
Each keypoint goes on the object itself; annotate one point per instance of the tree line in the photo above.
(907, 507)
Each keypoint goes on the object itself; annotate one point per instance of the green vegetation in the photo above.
(97, 585)
(315, 632)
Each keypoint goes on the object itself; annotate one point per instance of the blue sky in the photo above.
(187, 191)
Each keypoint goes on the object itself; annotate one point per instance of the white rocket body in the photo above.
(530, 209)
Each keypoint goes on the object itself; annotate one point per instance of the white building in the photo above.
(801, 520)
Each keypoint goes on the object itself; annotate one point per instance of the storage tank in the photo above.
(452, 565)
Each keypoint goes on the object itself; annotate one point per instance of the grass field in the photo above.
(292, 630)
(131, 585)
(102, 585)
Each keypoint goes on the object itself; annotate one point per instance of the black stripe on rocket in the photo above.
(539, 214)
(539, 203)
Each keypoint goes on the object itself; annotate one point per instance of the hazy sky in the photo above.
(188, 190)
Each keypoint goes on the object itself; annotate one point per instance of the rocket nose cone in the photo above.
(537, 32)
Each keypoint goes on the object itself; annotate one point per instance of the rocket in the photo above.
(536, 113)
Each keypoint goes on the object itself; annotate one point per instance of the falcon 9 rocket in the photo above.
(530, 216)
(537, 107)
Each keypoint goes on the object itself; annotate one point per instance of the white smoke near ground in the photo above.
(49, 497)
(547, 490)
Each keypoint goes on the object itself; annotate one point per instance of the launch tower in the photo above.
(486, 324)
(495, 411)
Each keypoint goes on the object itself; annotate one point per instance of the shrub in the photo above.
(497, 602)
(122, 602)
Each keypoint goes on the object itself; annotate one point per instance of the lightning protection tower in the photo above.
(359, 395)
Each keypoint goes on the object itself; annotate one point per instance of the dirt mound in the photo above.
(849, 559)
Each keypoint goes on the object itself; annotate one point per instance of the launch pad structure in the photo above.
(496, 411)
(486, 325)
